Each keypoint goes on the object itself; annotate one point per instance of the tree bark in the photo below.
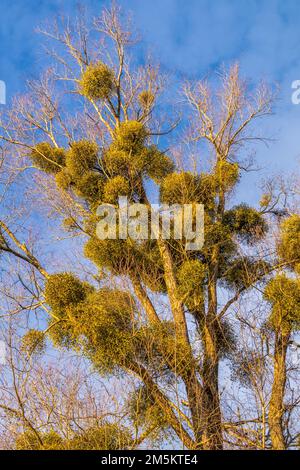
(212, 417)
(211, 412)
(276, 405)
(191, 382)
(175, 302)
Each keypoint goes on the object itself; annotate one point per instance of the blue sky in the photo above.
(190, 38)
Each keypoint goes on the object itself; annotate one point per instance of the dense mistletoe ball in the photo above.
(117, 162)
(283, 294)
(116, 255)
(89, 186)
(48, 158)
(191, 277)
(97, 82)
(33, 342)
(187, 188)
(104, 436)
(144, 411)
(63, 179)
(160, 347)
(289, 244)
(103, 326)
(114, 188)
(156, 164)
(81, 158)
(106, 308)
(130, 136)
(29, 441)
(226, 174)
(242, 272)
(247, 223)
(149, 267)
(108, 436)
(64, 289)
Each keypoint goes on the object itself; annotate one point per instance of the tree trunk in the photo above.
(211, 411)
(189, 376)
(175, 302)
(276, 406)
(194, 393)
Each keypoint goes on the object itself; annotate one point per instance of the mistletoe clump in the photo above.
(246, 223)
(144, 411)
(101, 326)
(130, 157)
(114, 188)
(289, 245)
(124, 257)
(218, 236)
(243, 272)
(81, 172)
(81, 158)
(115, 255)
(158, 346)
(149, 266)
(191, 276)
(226, 174)
(63, 179)
(118, 162)
(47, 158)
(147, 162)
(108, 436)
(33, 342)
(130, 136)
(224, 335)
(226, 338)
(187, 188)
(126, 155)
(64, 289)
(90, 187)
(156, 164)
(283, 294)
(29, 440)
(97, 82)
